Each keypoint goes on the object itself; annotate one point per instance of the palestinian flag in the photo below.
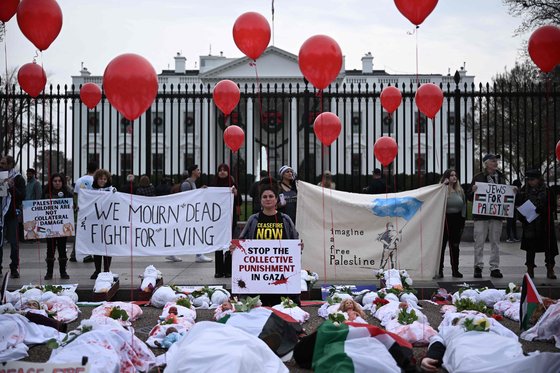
(278, 330)
(530, 300)
(355, 347)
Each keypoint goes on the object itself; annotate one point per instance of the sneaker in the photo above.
(203, 259)
(173, 258)
(496, 273)
(477, 272)
(516, 240)
(88, 259)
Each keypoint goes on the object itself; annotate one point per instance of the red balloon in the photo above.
(385, 150)
(32, 79)
(320, 60)
(251, 33)
(390, 98)
(544, 47)
(7, 9)
(226, 96)
(558, 150)
(429, 99)
(416, 11)
(40, 21)
(90, 94)
(234, 137)
(131, 84)
(327, 127)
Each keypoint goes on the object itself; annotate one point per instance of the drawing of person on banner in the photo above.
(390, 240)
(404, 207)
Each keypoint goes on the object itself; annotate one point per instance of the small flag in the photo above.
(480, 197)
(509, 199)
(530, 300)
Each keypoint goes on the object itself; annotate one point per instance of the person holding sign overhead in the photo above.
(270, 224)
(487, 225)
(56, 189)
(538, 232)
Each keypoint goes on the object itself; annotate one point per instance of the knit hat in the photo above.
(283, 169)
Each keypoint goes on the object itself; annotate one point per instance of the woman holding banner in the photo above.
(56, 189)
(102, 181)
(455, 214)
(224, 179)
(539, 234)
(258, 228)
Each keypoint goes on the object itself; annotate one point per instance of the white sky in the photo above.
(478, 32)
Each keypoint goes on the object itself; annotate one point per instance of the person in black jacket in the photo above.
(11, 211)
(56, 189)
(377, 185)
(539, 234)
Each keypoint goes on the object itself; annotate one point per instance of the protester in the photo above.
(288, 192)
(511, 223)
(33, 189)
(326, 181)
(84, 182)
(224, 179)
(165, 187)
(190, 184)
(102, 181)
(487, 226)
(455, 214)
(254, 192)
(377, 185)
(54, 190)
(270, 215)
(128, 186)
(145, 187)
(539, 235)
(11, 212)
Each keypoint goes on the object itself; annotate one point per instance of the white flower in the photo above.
(404, 273)
(408, 281)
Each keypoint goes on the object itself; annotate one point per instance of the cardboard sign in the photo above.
(494, 200)
(47, 218)
(26, 367)
(266, 267)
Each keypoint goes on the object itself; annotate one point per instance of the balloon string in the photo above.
(131, 201)
(418, 159)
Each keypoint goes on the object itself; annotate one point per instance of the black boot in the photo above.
(531, 271)
(50, 266)
(62, 266)
(455, 262)
(550, 272)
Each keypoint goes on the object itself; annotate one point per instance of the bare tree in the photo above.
(534, 13)
(519, 120)
(24, 121)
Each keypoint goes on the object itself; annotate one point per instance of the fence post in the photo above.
(457, 101)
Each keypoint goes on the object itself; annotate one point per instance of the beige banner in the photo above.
(347, 236)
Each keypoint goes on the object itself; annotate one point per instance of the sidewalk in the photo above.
(188, 272)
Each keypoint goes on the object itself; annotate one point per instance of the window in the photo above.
(420, 122)
(356, 122)
(157, 164)
(451, 122)
(421, 163)
(189, 122)
(158, 123)
(126, 126)
(126, 163)
(387, 123)
(356, 163)
(93, 157)
(93, 123)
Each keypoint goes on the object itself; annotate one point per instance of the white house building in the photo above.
(180, 129)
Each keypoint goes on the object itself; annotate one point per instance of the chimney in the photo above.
(367, 63)
(180, 63)
(84, 71)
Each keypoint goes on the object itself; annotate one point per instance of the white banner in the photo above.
(494, 200)
(118, 224)
(348, 235)
(46, 218)
(266, 267)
